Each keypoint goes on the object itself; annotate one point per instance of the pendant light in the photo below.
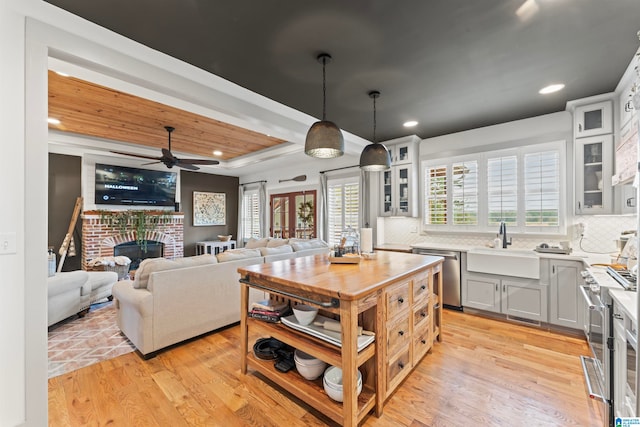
(324, 138)
(375, 157)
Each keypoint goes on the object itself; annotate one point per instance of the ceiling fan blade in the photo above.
(135, 155)
(166, 153)
(151, 163)
(199, 161)
(187, 166)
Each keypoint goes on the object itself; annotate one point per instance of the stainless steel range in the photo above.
(598, 329)
(626, 279)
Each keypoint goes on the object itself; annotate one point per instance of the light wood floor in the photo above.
(485, 373)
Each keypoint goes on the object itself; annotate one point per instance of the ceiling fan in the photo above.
(170, 160)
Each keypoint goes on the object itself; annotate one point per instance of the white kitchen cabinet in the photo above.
(397, 189)
(594, 167)
(566, 304)
(593, 119)
(399, 185)
(515, 297)
(619, 363)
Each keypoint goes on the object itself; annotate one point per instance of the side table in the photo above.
(214, 246)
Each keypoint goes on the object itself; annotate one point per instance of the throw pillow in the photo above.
(254, 243)
(194, 261)
(286, 249)
(235, 254)
(274, 243)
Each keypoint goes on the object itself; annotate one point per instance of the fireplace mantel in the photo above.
(99, 237)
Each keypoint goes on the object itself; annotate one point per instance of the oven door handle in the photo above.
(631, 339)
(584, 360)
(590, 303)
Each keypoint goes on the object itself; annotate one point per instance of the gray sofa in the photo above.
(170, 301)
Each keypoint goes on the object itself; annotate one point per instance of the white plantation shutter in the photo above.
(523, 186)
(502, 190)
(464, 193)
(542, 189)
(343, 203)
(251, 214)
(435, 210)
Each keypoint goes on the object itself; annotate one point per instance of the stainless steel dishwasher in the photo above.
(451, 288)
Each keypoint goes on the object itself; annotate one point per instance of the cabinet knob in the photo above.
(423, 287)
(423, 314)
(400, 300)
(423, 341)
(579, 127)
(401, 333)
(401, 365)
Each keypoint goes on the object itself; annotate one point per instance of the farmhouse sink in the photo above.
(504, 262)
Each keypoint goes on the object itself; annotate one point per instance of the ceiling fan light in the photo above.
(375, 158)
(324, 140)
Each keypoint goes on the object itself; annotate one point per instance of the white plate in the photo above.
(332, 337)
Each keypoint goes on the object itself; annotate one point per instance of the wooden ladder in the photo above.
(67, 238)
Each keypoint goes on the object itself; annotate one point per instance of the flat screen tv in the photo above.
(119, 185)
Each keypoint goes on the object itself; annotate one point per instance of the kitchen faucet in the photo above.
(503, 234)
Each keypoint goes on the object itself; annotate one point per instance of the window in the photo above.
(344, 207)
(251, 214)
(520, 186)
(293, 215)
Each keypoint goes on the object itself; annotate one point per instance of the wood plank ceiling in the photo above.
(89, 109)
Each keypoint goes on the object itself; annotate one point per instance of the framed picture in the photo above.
(209, 208)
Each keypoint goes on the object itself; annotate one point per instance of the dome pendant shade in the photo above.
(375, 158)
(324, 140)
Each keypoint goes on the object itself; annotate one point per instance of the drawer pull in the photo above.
(423, 287)
(423, 341)
(401, 333)
(423, 314)
(400, 300)
(401, 365)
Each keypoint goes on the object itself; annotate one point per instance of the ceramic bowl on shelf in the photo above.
(224, 238)
(332, 383)
(308, 366)
(305, 314)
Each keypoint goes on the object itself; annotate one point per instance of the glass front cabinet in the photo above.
(593, 119)
(594, 158)
(396, 189)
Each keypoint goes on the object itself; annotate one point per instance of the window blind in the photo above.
(502, 190)
(465, 193)
(251, 214)
(436, 197)
(542, 189)
(343, 203)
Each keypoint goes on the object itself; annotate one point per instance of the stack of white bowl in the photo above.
(332, 382)
(308, 366)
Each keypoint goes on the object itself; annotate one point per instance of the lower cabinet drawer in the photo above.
(397, 300)
(422, 342)
(398, 335)
(421, 315)
(397, 369)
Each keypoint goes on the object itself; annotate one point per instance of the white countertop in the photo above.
(627, 301)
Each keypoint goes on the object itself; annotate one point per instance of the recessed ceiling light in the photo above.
(53, 121)
(217, 153)
(551, 88)
(410, 124)
(60, 73)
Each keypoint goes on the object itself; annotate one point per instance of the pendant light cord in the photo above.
(374, 120)
(324, 88)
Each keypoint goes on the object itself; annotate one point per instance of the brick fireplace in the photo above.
(99, 237)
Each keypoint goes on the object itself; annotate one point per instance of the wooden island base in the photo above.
(396, 295)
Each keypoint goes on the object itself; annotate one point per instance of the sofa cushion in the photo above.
(302, 244)
(254, 243)
(194, 261)
(234, 254)
(286, 249)
(275, 243)
(148, 266)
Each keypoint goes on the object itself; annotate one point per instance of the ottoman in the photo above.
(101, 283)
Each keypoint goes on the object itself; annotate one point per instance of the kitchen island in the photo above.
(395, 295)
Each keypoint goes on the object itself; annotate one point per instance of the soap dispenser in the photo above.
(497, 242)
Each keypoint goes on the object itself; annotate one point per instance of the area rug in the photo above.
(83, 341)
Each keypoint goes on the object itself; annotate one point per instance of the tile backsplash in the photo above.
(599, 237)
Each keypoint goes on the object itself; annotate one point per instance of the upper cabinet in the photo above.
(593, 190)
(399, 185)
(593, 119)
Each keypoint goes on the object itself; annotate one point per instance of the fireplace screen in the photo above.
(137, 252)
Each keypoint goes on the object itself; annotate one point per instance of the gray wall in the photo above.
(194, 181)
(64, 188)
